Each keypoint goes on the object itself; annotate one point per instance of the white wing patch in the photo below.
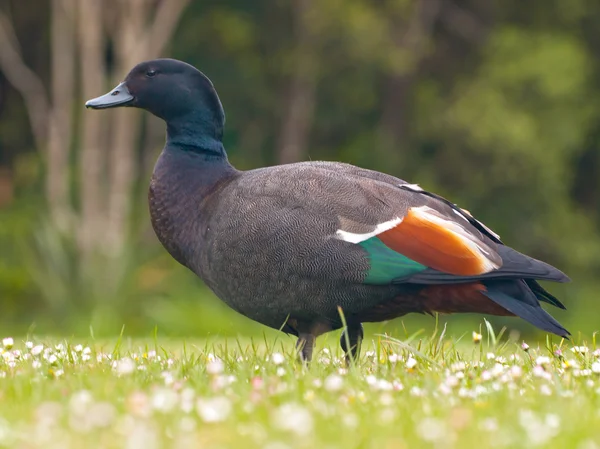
(429, 214)
(357, 238)
(413, 187)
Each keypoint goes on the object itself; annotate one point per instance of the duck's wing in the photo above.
(430, 241)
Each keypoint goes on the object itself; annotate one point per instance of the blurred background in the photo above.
(493, 104)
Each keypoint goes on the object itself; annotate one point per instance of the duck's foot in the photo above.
(352, 335)
(305, 346)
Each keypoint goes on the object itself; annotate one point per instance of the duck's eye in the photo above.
(150, 73)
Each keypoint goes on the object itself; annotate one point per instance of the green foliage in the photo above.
(499, 115)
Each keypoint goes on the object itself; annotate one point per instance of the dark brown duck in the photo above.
(288, 246)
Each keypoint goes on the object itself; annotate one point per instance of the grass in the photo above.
(480, 392)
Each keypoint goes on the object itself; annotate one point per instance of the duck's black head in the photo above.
(174, 91)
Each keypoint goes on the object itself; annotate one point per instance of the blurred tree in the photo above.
(492, 104)
(81, 32)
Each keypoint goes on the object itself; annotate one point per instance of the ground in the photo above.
(418, 392)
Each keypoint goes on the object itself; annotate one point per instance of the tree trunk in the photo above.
(300, 97)
(60, 123)
(413, 38)
(25, 81)
(125, 125)
(93, 148)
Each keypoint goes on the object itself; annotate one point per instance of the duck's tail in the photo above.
(521, 299)
(513, 287)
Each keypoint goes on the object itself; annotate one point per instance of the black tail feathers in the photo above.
(522, 298)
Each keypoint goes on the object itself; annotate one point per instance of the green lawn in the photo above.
(416, 393)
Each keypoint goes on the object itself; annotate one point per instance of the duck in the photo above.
(312, 247)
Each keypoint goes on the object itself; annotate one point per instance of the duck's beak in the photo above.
(119, 96)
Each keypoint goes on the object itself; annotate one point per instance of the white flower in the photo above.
(516, 371)
(371, 380)
(596, 367)
(545, 390)
(432, 429)
(489, 425)
(350, 420)
(101, 414)
(78, 348)
(387, 415)
(187, 400)
(333, 383)
(87, 350)
(164, 400)
(386, 399)
(48, 413)
(52, 359)
(124, 366)
(138, 404)
(37, 350)
(29, 344)
(8, 342)
(384, 385)
(538, 371)
(277, 358)
(477, 337)
(214, 409)
(542, 360)
(445, 389)
(452, 381)
(215, 366)
(416, 391)
(293, 418)
(411, 362)
(80, 402)
(580, 349)
(168, 377)
(458, 366)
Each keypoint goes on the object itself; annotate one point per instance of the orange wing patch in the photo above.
(437, 242)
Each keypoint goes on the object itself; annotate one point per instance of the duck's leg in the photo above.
(305, 346)
(355, 336)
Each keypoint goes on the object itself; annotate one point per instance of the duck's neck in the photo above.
(194, 156)
(196, 135)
